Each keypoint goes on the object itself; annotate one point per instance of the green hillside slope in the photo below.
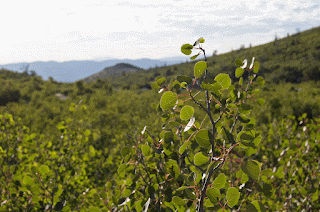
(120, 68)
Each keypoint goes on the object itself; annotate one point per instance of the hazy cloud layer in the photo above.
(77, 30)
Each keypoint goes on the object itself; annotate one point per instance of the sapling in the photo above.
(199, 163)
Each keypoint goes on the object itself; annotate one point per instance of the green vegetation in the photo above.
(245, 139)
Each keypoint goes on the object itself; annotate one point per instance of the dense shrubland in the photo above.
(92, 151)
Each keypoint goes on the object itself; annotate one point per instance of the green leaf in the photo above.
(238, 62)
(200, 68)
(241, 81)
(145, 150)
(233, 196)
(160, 81)
(200, 159)
(210, 85)
(201, 40)
(35, 189)
(186, 49)
(243, 119)
(87, 132)
(125, 150)
(260, 80)
(251, 168)
(224, 80)
(220, 181)
(94, 209)
(27, 180)
(44, 169)
(186, 112)
(239, 72)
(203, 138)
(122, 167)
(168, 100)
(258, 206)
(194, 57)
(251, 208)
(155, 86)
(229, 136)
(176, 84)
(260, 101)
(213, 194)
(256, 66)
(184, 79)
(183, 147)
(178, 201)
(184, 84)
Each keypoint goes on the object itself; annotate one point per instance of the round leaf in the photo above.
(186, 49)
(145, 150)
(238, 62)
(184, 84)
(233, 196)
(125, 150)
(168, 100)
(178, 201)
(252, 168)
(260, 101)
(220, 181)
(200, 159)
(256, 67)
(224, 80)
(260, 80)
(203, 138)
(27, 180)
(186, 112)
(239, 72)
(200, 68)
(213, 194)
(44, 169)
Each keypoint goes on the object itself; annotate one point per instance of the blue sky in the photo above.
(64, 30)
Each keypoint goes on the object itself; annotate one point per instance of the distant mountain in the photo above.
(71, 71)
(120, 68)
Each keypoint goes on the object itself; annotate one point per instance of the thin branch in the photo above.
(200, 105)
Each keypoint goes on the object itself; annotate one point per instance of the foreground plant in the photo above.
(200, 162)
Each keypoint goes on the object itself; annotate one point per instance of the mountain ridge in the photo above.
(71, 71)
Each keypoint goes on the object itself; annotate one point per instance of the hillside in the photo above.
(294, 59)
(120, 68)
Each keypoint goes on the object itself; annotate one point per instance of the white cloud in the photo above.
(76, 30)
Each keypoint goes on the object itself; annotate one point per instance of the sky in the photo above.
(64, 30)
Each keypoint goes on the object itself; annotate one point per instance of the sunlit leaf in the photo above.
(186, 49)
(224, 80)
(168, 100)
(251, 168)
(203, 138)
(186, 112)
(233, 196)
(200, 159)
(200, 68)
(220, 181)
(239, 72)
